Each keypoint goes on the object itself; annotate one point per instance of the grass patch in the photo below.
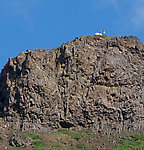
(89, 131)
(83, 146)
(39, 145)
(132, 141)
(32, 135)
(56, 147)
(71, 148)
(17, 148)
(105, 140)
(74, 135)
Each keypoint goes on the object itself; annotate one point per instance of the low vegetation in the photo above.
(39, 145)
(83, 140)
(75, 135)
(32, 135)
(83, 146)
(17, 148)
(56, 147)
(131, 141)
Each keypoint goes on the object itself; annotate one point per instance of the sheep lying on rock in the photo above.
(98, 33)
(103, 32)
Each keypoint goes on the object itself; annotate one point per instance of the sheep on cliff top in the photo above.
(101, 34)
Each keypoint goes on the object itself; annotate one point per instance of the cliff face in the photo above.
(93, 81)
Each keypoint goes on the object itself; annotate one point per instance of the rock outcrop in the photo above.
(90, 82)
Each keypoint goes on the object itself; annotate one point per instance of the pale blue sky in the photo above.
(30, 24)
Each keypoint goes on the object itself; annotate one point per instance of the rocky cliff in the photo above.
(90, 82)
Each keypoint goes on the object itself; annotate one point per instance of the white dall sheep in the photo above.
(101, 34)
(98, 34)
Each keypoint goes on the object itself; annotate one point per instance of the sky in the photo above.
(30, 24)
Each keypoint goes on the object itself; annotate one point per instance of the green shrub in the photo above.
(32, 135)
